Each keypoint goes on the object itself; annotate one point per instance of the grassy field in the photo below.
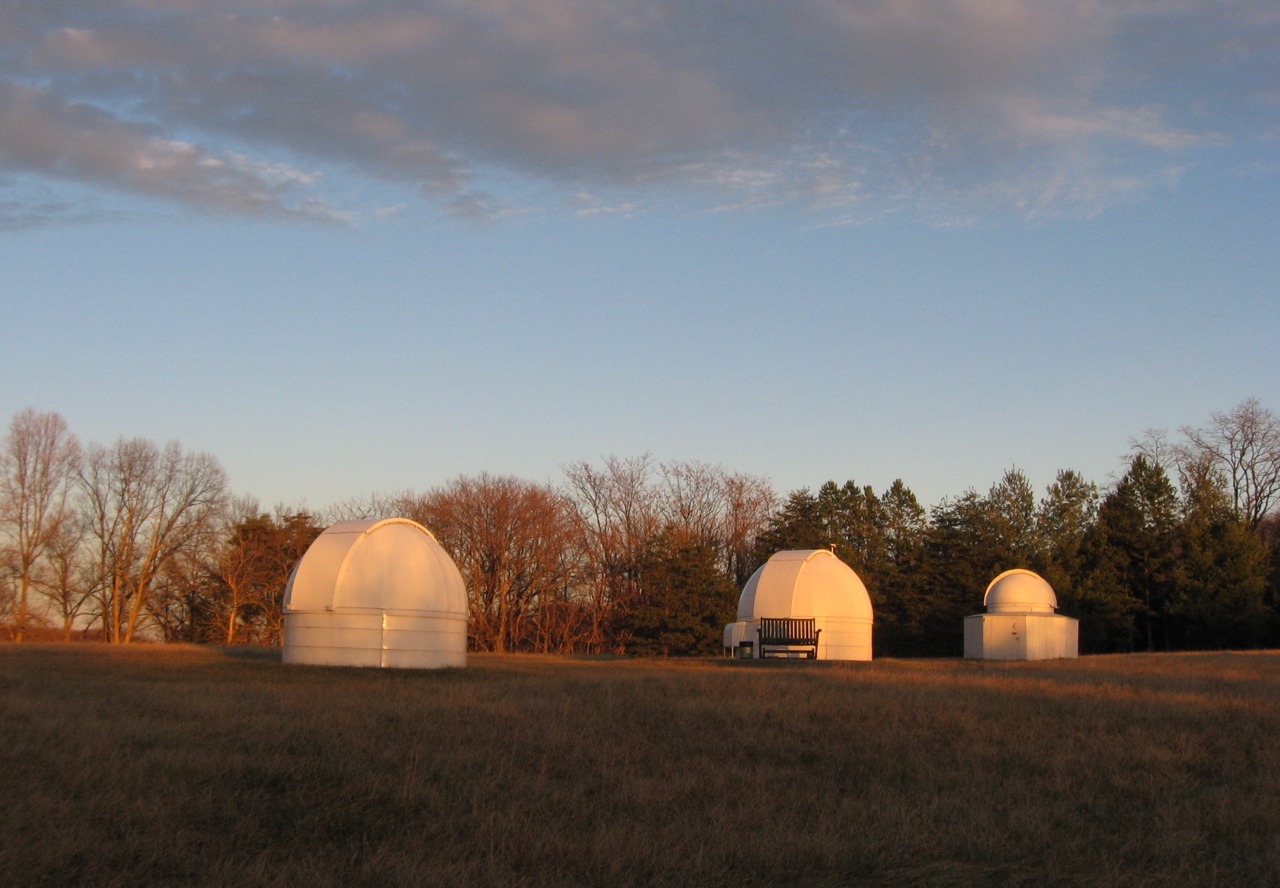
(220, 767)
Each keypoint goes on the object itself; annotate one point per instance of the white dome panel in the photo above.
(400, 568)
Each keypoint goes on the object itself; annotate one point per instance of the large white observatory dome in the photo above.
(376, 593)
(807, 584)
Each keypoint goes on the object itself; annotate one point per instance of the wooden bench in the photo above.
(784, 633)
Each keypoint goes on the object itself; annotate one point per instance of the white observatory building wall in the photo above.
(376, 593)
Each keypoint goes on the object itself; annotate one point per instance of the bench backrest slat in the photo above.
(784, 630)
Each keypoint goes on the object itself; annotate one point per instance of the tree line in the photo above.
(135, 540)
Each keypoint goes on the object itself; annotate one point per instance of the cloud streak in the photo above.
(846, 107)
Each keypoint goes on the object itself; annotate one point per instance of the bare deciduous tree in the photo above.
(512, 540)
(38, 462)
(363, 508)
(617, 511)
(65, 580)
(1243, 444)
(749, 502)
(237, 564)
(625, 503)
(144, 506)
(1155, 446)
(243, 577)
(690, 499)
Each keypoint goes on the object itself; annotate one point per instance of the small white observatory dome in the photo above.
(1020, 591)
(1020, 623)
(807, 584)
(376, 593)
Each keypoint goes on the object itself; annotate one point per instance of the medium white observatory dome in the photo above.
(1020, 591)
(376, 593)
(806, 584)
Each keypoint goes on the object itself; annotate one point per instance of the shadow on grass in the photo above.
(249, 652)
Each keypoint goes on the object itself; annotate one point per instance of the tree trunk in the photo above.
(22, 605)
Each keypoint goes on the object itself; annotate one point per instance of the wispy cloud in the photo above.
(844, 107)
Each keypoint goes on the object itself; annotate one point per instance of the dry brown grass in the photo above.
(197, 766)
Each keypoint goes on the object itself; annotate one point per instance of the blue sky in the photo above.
(367, 246)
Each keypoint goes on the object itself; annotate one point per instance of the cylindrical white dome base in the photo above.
(396, 641)
(844, 639)
(841, 639)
